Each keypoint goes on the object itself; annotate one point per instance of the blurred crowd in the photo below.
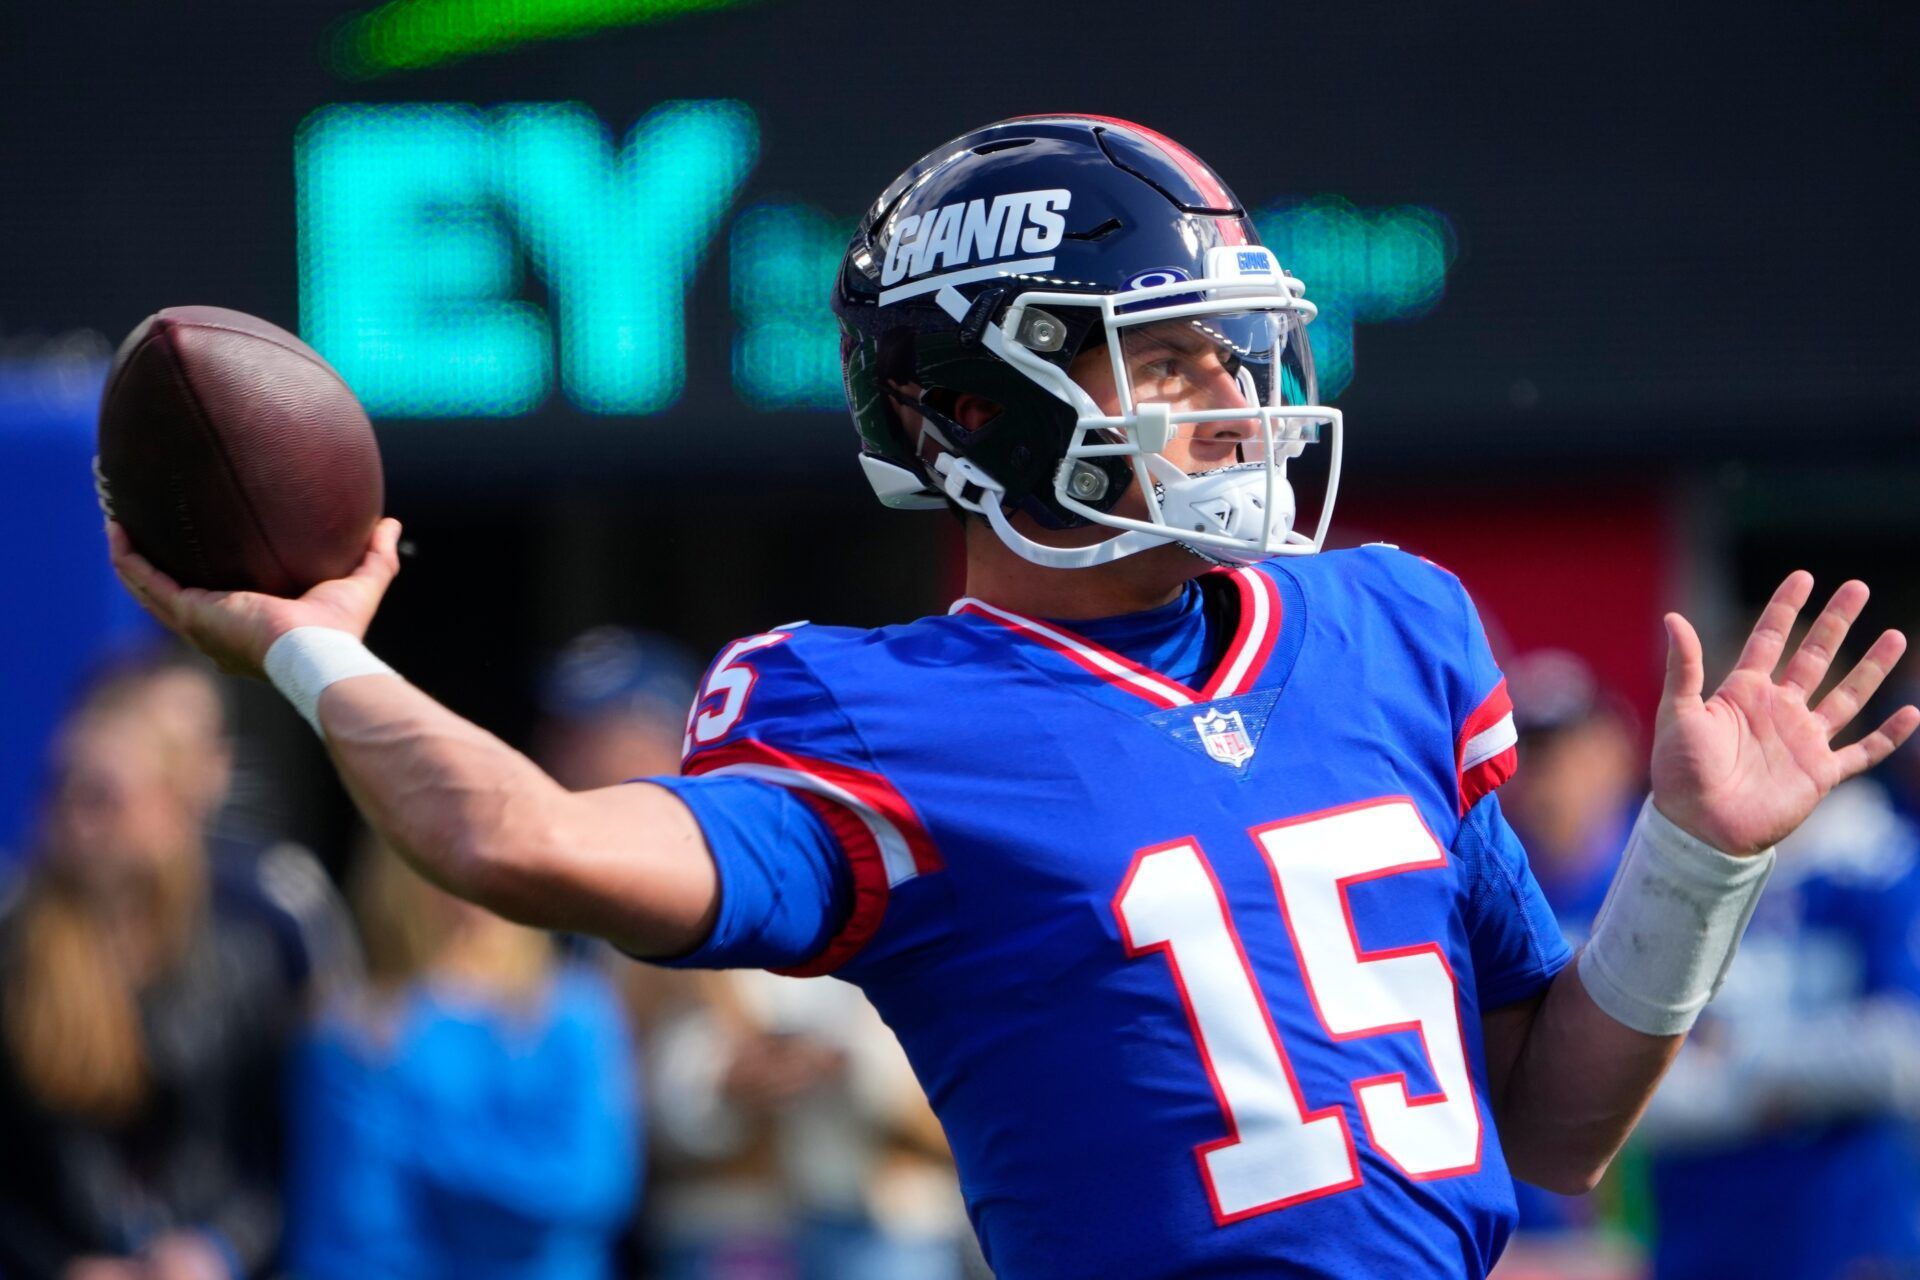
(1785, 1142)
(219, 1060)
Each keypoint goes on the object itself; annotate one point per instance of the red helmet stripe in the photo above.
(1190, 164)
(1196, 169)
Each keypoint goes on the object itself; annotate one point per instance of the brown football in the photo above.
(234, 456)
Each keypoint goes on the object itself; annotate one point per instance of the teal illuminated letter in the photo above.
(407, 276)
(618, 237)
(787, 352)
(1361, 266)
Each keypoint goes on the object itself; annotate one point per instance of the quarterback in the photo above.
(1173, 852)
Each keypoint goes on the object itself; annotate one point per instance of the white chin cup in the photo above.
(1231, 502)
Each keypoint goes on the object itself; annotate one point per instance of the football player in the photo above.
(1172, 853)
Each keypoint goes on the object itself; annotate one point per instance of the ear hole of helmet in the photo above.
(968, 412)
(895, 359)
(916, 386)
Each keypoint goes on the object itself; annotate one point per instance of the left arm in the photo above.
(1737, 771)
(1568, 1083)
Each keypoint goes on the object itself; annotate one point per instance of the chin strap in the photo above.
(1229, 502)
(958, 476)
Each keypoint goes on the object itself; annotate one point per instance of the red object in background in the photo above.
(1589, 572)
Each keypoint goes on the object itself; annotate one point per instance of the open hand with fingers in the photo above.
(236, 628)
(1743, 768)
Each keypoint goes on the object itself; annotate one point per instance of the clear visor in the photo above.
(1210, 369)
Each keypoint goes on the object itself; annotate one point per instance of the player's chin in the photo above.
(1177, 561)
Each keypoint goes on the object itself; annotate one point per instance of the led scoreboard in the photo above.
(557, 223)
(418, 223)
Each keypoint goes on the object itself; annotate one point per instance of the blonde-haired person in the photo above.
(256, 872)
(469, 1111)
(140, 1030)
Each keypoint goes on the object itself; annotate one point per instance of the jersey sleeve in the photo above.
(1517, 946)
(785, 887)
(1444, 628)
(765, 715)
(1485, 736)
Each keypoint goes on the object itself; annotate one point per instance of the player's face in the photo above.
(1176, 363)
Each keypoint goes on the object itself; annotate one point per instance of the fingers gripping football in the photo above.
(236, 628)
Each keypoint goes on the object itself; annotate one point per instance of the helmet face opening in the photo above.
(1207, 391)
(1213, 372)
(1148, 356)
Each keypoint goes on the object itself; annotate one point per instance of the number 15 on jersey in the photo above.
(1276, 1151)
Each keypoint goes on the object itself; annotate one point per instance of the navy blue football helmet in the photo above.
(1003, 257)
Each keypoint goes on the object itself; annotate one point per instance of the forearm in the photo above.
(1573, 1070)
(1574, 1085)
(484, 822)
(444, 793)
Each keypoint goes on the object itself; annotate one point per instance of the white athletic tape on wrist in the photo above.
(304, 661)
(1666, 934)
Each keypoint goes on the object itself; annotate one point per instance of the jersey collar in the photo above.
(1240, 666)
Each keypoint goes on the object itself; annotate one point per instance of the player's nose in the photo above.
(1221, 389)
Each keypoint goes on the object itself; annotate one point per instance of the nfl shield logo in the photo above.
(1225, 737)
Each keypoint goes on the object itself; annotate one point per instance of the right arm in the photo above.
(626, 863)
(471, 814)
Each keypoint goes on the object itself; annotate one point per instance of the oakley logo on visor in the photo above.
(1154, 279)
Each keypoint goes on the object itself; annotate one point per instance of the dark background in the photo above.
(1685, 226)
(1677, 329)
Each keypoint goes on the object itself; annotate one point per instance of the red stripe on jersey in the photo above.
(1483, 777)
(869, 788)
(1096, 659)
(1253, 640)
(1255, 631)
(870, 888)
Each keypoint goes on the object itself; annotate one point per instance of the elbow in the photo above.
(1574, 1180)
(1565, 1172)
(501, 876)
(499, 865)
(1559, 1158)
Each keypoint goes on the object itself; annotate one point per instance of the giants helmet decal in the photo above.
(998, 260)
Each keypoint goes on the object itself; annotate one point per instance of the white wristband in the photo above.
(1666, 934)
(304, 661)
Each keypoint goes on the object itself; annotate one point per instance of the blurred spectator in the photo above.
(1784, 1136)
(469, 1113)
(1573, 801)
(805, 1145)
(792, 1136)
(1579, 785)
(614, 706)
(1901, 773)
(141, 1023)
(257, 874)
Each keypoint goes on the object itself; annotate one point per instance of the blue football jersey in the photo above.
(1192, 976)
